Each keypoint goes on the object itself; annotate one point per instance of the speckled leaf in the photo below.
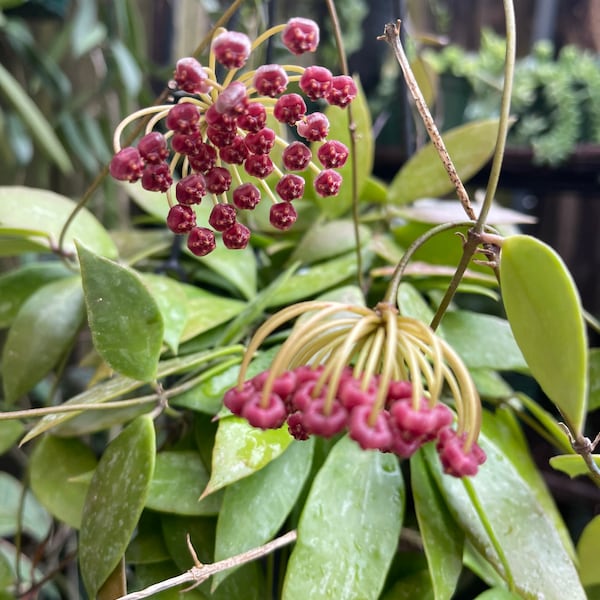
(18, 285)
(21, 512)
(172, 303)
(588, 549)
(537, 558)
(114, 502)
(41, 333)
(126, 324)
(179, 479)
(315, 279)
(483, 341)
(252, 512)
(545, 314)
(423, 176)
(241, 450)
(442, 538)
(349, 528)
(42, 210)
(338, 119)
(53, 465)
(10, 432)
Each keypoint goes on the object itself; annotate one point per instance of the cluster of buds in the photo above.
(217, 136)
(373, 373)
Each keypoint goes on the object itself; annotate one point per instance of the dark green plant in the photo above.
(144, 472)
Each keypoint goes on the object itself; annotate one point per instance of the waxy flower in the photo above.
(217, 135)
(376, 374)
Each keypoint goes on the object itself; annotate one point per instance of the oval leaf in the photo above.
(533, 549)
(241, 450)
(54, 464)
(545, 314)
(114, 502)
(423, 176)
(42, 332)
(179, 479)
(10, 432)
(588, 548)
(125, 321)
(349, 527)
(38, 210)
(572, 464)
(251, 513)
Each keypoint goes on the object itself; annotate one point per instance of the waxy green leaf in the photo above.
(470, 146)
(241, 450)
(442, 538)
(125, 321)
(42, 332)
(54, 463)
(572, 464)
(179, 479)
(39, 210)
(114, 502)
(588, 548)
(349, 527)
(545, 314)
(538, 561)
(10, 432)
(18, 285)
(594, 379)
(252, 513)
(498, 593)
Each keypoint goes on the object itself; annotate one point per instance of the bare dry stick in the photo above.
(201, 573)
(392, 36)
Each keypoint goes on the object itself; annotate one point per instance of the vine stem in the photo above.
(352, 130)
(199, 573)
(89, 192)
(392, 36)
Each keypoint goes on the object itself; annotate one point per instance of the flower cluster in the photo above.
(365, 371)
(220, 137)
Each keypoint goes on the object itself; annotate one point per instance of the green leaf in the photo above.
(179, 479)
(42, 332)
(251, 513)
(594, 379)
(572, 464)
(10, 432)
(35, 210)
(114, 502)
(470, 334)
(416, 585)
(18, 285)
(54, 463)
(544, 312)
(241, 450)
(131, 76)
(126, 324)
(442, 538)
(412, 304)
(30, 518)
(206, 311)
(315, 279)
(498, 594)
(364, 152)
(171, 300)
(327, 240)
(536, 556)
(147, 546)
(588, 547)
(36, 122)
(423, 176)
(349, 527)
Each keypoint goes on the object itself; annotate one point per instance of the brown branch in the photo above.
(200, 573)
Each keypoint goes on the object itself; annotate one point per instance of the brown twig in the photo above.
(200, 573)
(392, 36)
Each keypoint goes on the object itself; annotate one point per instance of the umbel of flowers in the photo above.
(372, 372)
(217, 138)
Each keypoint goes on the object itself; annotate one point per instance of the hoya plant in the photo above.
(296, 377)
